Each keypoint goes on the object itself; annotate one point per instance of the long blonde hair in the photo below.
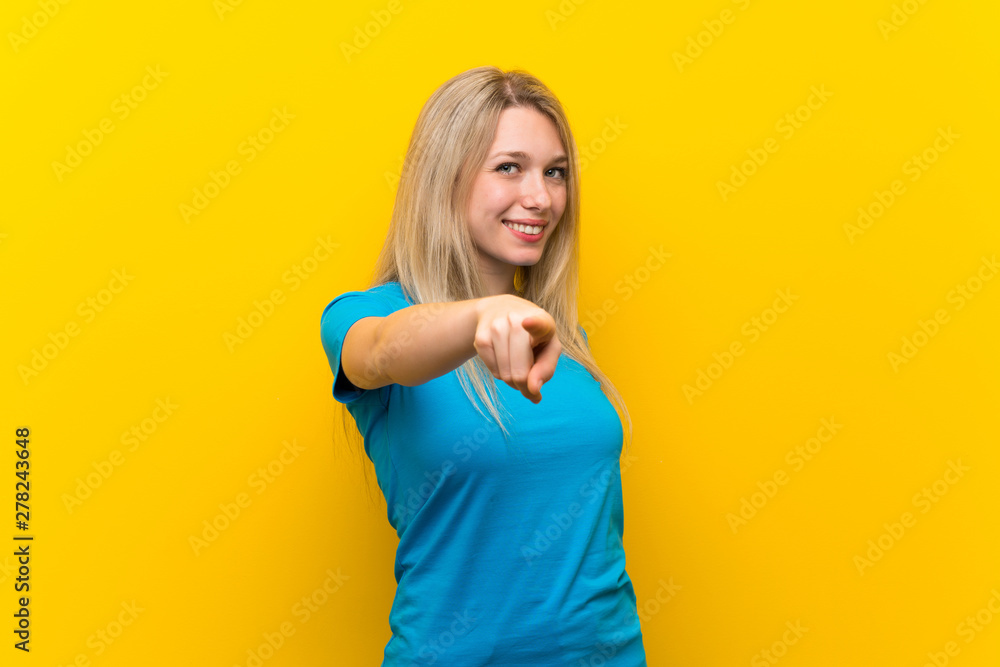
(429, 249)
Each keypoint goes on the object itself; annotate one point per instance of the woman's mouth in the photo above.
(525, 232)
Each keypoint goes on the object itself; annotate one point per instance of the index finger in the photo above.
(545, 366)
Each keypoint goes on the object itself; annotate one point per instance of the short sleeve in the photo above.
(337, 318)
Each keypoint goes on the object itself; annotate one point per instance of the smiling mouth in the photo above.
(531, 230)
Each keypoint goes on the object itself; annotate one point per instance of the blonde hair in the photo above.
(429, 249)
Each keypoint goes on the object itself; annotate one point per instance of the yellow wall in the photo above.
(837, 441)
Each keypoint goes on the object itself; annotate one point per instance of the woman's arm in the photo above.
(410, 346)
(418, 343)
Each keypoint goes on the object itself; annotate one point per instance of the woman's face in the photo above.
(526, 188)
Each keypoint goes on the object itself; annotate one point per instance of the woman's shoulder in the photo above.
(391, 290)
(388, 286)
(383, 298)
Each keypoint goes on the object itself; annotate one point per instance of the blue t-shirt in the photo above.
(510, 554)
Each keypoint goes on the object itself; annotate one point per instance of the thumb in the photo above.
(539, 329)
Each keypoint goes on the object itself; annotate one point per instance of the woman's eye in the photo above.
(561, 171)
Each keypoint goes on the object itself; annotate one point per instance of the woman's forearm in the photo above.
(412, 345)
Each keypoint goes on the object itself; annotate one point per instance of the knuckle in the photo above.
(483, 340)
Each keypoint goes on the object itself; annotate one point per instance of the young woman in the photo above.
(508, 506)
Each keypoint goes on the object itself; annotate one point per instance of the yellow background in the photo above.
(682, 127)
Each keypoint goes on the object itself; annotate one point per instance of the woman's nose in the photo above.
(536, 193)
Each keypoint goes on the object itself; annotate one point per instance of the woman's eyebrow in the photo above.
(521, 155)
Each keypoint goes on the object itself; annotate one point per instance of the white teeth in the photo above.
(524, 229)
